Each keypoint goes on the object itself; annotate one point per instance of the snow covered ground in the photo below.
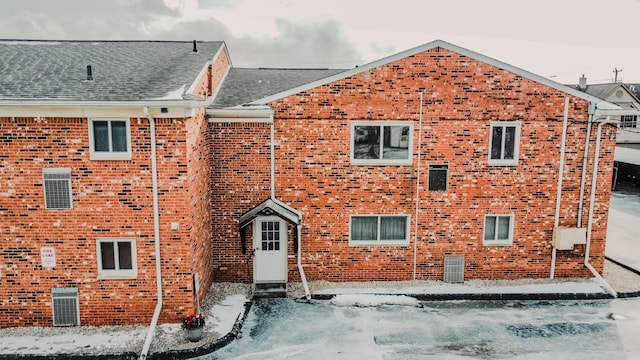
(623, 230)
(399, 327)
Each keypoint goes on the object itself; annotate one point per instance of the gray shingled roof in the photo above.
(122, 70)
(243, 85)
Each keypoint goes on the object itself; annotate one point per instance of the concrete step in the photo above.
(270, 290)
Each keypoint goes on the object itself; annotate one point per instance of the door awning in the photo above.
(269, 207)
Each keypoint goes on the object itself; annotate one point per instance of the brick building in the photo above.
(435, 158)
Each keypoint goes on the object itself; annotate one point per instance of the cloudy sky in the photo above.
(559, 39)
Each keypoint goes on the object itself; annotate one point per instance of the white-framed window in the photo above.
(438, 177)
(57, 188)
(110, 139)
(498, 229)
(628, 121)
(116, 258)
(381, 142)
(378, 230)
(504, 143)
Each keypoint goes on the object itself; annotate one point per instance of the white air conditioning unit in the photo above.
(65, 306)
(565, 237)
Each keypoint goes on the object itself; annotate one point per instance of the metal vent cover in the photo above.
(453, 268)
(65, 306)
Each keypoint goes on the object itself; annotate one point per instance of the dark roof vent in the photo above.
(89, 73)
(195, 47)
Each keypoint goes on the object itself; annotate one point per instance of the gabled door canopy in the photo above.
(269, 208)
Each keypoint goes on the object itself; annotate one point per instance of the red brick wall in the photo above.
(240, 181)
(461, 97)
(110, 199)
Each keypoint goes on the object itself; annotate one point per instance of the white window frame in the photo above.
(403, 242)
(446, 180)
(381, 161)
(516, 145)
(495, 241)
(57, 171)
(110, 155)
(117, 273)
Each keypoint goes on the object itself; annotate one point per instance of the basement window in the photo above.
(110, 139)
(57, 188)
(381, 142)
(117, 259)
(379, 230)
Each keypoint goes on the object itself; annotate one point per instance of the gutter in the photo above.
(415, 231)
(156, 227)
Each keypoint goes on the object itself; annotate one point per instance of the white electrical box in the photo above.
(565, 237)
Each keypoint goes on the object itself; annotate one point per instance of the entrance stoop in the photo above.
(270, 290)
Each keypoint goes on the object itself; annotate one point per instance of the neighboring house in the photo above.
(436, 163)
(623, 95)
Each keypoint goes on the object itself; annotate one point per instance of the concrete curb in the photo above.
(168, 355)
(496, 296)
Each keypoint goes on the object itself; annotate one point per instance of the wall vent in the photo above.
(453, 268)
(65, 306)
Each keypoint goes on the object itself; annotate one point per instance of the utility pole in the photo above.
(616, 71)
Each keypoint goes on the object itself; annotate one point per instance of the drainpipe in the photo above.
(156, 227)
(303, 277)
(583, 180)
(560, 178)
(608, 287)
(415, 232)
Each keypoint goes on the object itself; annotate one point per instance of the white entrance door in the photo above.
(270, 246)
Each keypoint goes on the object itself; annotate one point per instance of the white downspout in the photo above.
(592, 199)
(583, 180)
(303, 277)
(415, 221)
(560, 178)
(156, 227)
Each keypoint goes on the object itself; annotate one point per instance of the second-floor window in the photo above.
(504, 143)
(110, 139)
(381, 142)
